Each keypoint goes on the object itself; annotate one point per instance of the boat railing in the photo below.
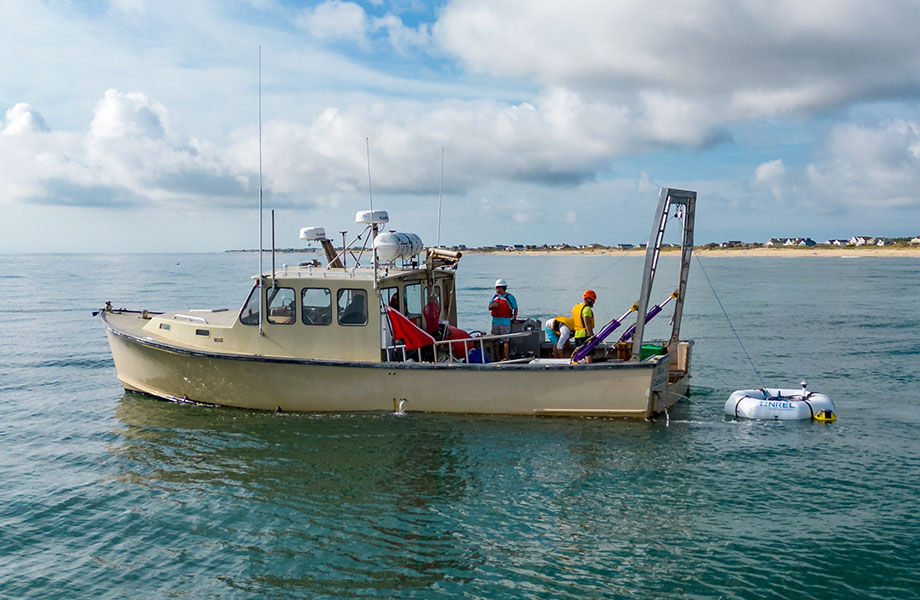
(468, 344)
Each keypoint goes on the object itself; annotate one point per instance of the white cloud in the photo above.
(554, 141)
(127, 156)
(403, 38)
(22, 119)
(861, 167)
(688, 68)
(127, 115)
(773, 175)
(334, 20)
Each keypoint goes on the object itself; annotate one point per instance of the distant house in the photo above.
(791, 241)
(861, 240)
(731, 244)
(519, 246)
(836, 242)
(882, 241)
(915, 240)
(624, 246)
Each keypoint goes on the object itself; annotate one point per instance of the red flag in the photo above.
(404, 329)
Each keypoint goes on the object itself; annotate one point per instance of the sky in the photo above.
(133, 126)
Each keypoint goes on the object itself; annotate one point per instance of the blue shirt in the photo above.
(511, 301)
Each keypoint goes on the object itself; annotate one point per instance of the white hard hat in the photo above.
(501, 283)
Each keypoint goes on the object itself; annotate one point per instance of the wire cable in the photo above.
(597, 275)
(731, 326)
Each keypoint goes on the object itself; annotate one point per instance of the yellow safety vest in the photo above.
(579, 320)
(567, 321)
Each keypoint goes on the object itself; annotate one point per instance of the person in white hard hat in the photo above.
(504, 309)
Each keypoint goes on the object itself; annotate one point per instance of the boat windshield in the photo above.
(250, 313)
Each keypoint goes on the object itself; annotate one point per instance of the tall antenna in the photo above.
(440, 189)
(370, 191)
(370, 194)
(261, 290)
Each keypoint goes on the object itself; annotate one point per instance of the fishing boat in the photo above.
(375, 329)
(781, 404)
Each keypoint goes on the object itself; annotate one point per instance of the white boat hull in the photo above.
(304, 385)
(777, 404)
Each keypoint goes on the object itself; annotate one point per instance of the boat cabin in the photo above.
(319, 313)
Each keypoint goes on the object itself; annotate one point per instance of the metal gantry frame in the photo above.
(667, 198)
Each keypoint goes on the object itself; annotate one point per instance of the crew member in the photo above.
(583, 317)
(558, 330)
(504, 309)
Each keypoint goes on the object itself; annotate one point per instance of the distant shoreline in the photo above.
(782, 252)
(778, 251)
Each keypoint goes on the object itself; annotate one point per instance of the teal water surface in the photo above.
(107, 494)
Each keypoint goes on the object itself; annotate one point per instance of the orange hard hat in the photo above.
(590, 294)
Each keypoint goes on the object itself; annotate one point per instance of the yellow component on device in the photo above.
(825, 416)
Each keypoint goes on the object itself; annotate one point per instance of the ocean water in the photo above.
(106, 494)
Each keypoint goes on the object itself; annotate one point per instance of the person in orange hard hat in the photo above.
(583, 316)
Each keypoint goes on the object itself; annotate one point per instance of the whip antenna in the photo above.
(440, 189)
(370, 195)
(370, 192)
(261, 290)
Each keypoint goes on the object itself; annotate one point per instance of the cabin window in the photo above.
(445, 297)
(414, 299)
(434, 295)
(317, 306)
(352, 306)
(280, 302)
(390, 297)
(250, 313)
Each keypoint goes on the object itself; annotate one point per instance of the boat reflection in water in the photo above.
(338, 505)
(384, 337)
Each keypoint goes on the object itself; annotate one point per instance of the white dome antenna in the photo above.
(372, 217)
(312, 234)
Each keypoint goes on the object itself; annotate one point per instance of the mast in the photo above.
(261, 283)
(370, 194)
(440, 190)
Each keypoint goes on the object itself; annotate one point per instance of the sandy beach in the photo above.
(782, 252)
